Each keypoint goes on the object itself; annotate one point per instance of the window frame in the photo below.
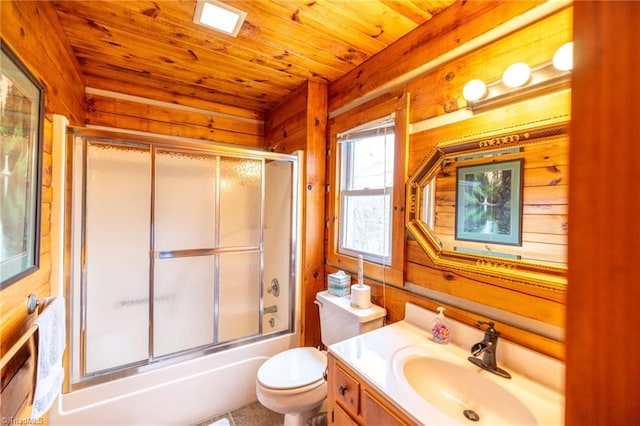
(393, 272)
(347, 175)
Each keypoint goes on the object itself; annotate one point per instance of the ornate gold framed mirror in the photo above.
(496, 204)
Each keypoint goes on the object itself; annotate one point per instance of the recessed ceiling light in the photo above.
(219, 16)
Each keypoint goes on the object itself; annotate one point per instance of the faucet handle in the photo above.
(490, 329)
(478, 348)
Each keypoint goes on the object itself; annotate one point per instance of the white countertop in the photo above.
(371, 355)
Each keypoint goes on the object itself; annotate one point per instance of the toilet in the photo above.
(292, 382)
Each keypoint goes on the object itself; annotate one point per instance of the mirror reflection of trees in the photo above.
(15, 164)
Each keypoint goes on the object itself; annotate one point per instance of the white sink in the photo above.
(464, 392)
(437, 385)
(444, 378)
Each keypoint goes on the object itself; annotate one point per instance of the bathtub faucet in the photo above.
(271, 309)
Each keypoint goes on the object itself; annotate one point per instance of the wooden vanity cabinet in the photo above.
(351, 400)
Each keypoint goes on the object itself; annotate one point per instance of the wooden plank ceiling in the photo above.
(154, 50)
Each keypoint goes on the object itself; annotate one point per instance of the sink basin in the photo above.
(462, 391)
(465, 392)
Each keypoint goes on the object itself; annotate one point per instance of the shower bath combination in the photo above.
(179, 250)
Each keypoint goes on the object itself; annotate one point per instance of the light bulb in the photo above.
(474, 90)
(563, 58)
(516, 75)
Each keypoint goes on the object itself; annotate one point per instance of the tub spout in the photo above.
(271, 309)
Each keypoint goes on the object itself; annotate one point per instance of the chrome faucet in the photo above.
(488, 348)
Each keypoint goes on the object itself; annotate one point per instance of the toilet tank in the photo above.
(340, 321)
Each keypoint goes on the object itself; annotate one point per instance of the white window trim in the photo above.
(379, 127)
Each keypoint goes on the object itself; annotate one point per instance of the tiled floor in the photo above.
(250, 415)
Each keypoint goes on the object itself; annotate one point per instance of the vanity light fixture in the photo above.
(563, 58)
(474, 90)
(219, 16)
(516, 75)
(520, 82)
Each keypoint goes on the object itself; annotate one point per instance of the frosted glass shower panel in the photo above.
(116, 238)
(185, 206)
(240, 201)
(239, 295)
(278, 242)
(183, 304)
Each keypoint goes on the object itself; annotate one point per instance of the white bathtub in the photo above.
(180, 394)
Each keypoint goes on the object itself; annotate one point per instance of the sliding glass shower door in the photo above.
(171, 243)
(207, 248)
(116, 255)
(184, 215)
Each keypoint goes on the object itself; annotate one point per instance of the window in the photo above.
(366, 188)
(366, 192)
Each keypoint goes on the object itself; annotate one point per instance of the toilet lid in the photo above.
(293, 368)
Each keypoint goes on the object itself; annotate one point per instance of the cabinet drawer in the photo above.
(347, 391)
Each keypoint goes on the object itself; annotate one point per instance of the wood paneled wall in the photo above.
(448, 30)
(603, 303)
(233, 126)
(300, 124)
(438, 92)
(32, 31)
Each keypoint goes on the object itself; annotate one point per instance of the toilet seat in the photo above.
(293, 369)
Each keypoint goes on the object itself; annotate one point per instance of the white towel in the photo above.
(51, 344)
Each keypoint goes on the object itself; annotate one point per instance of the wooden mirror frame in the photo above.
(539, 275)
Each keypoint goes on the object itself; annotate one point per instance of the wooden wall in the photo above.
(211, 122)
(446, 31)
(603, 303)
(437, 92)
(300, 124)
(32, 31)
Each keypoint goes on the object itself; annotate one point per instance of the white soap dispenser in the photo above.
(440, 328)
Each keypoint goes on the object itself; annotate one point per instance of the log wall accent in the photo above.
(300, 124)
(603, 302)
(32, 31)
